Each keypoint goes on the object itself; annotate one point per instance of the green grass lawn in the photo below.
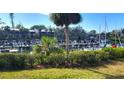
(113, 70)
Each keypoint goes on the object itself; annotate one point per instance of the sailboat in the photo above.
(116, 36)
(115, 43)
(103, 43)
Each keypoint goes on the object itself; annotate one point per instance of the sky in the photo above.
(91, 21)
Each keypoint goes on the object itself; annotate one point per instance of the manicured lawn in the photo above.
(113, 70)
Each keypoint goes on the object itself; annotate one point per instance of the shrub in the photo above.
(88, 58)
(30, 60)
(15, 61)
(56, 50)
(76, 58)
(115, 53)
(37, 49)
(39, 59)
(55, 59)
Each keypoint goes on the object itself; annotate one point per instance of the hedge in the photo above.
(114, 53)
(75, 59)
(16, 61)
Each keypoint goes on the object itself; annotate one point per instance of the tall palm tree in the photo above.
(12, 19)
(64, 20)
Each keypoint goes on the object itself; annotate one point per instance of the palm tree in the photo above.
(64, 20)
(48, 42)
(12, 19)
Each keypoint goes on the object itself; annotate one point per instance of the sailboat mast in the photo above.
(105, 29)
(119, 38)
(99, 34)
(115, 37)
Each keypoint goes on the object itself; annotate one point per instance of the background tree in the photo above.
(12, 19)
(64, 20)
(92, 32)
(1, 24)
(77, 34)
(21, 27)
(122, 30)
(114, 39)
(38, 27)
(6, 28)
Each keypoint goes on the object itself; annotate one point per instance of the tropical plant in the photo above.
(37, 49)
(48, 42)
(64, 20)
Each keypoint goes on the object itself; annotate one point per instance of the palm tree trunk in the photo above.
(67, 41)
(12, 21)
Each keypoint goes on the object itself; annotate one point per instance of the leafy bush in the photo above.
(16, 61)
(115, 53)
(56, 50)
(58, 59)
(88, 58)
(76, 58)
(55, 59)
(30, 60)
(37, 49)
(40, 59)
